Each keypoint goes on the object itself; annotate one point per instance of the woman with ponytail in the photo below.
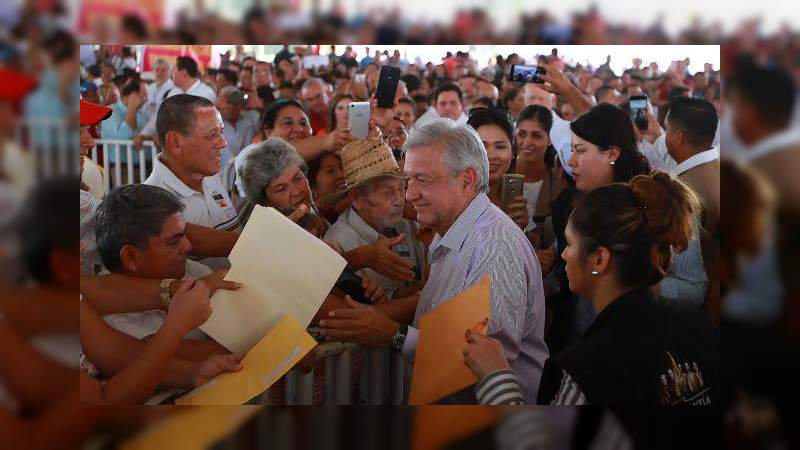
(639, 350)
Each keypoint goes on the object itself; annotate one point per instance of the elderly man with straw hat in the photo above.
(375, 187)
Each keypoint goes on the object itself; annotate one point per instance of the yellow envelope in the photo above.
(192, 428)
(437, 426)
(282, 348)
(284, 270)
(439, 367)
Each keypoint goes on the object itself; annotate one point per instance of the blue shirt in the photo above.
(47, 115)
(115, 127)
(365, 61)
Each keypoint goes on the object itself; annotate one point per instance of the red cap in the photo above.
(14, 86)
(91, 113)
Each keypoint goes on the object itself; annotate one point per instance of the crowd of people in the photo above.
(756, 243)
(608, 253)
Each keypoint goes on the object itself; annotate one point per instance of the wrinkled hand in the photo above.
(386, 262)
(547, 259)
(215, 280)
(362, 324)
(483, 354)
(518, 211)
(217, 364)
(373, 290)
(190, 306)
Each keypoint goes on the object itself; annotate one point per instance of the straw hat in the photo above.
(362, 161)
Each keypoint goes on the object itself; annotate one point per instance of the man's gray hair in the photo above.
(311, 82)
(163, 62)
(266, 161)
(461, 148)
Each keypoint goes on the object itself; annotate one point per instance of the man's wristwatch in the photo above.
(163, 292)
(399, 338)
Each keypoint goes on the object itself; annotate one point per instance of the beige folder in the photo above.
(284, 270)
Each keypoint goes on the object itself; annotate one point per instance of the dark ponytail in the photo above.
(639, 222)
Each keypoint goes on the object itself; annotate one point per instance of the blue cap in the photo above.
(88, 85)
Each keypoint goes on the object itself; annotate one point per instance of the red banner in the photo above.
(110, 13)
(152, 53)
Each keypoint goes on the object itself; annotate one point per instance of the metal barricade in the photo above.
(54, 146)
(113, 171)
(381, 378)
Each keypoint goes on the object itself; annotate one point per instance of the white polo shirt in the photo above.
(199, 89)
(211, 208)
(143, 324)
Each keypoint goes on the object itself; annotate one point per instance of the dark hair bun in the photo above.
(669, 207)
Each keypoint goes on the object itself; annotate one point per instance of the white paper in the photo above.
(284, 269)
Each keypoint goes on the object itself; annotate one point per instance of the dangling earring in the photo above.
(595, 273)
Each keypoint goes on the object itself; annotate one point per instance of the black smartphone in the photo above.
(387, 86)
(350, 283)
(638, 106)
(526, 74)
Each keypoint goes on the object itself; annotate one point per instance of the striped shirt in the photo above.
(502, 387)
(485, 240)
(686, 280)
(553, 429)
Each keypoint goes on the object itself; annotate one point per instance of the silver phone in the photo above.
(358, 116)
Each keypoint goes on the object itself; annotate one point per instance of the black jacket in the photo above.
(640, 351)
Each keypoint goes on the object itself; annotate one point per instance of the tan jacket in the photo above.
(704, 179)
(782, 169)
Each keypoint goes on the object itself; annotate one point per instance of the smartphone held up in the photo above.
(526, 74)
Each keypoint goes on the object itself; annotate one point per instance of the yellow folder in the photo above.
(439, 367)
(276, 353)
(192, 428)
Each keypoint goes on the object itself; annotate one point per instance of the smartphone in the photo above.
(358, 115)
(510, 188)
(526, 74)
(387, 86)
(350, 283)
(638, 106)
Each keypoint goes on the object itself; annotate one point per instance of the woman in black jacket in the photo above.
(638, 351)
